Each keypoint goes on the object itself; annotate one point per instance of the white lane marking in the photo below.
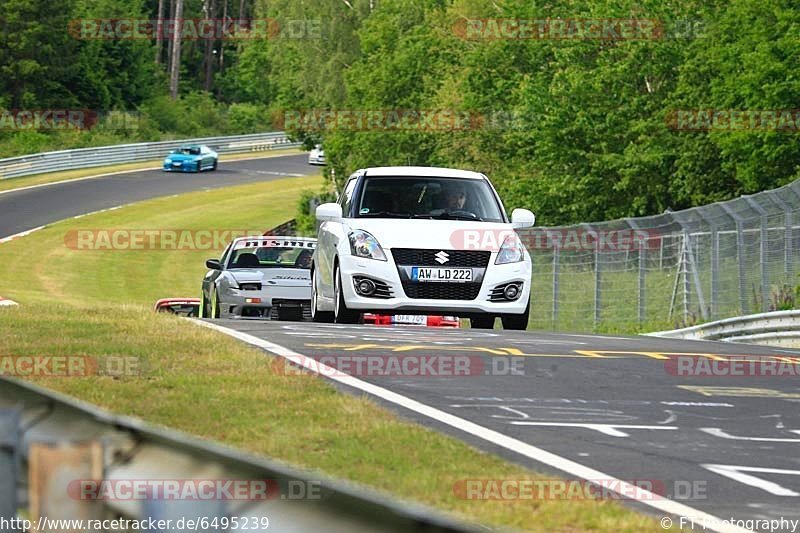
(717, 432)
(20, 234)
(612, 430)
(517, 446)
(95, 176)
(736, 473)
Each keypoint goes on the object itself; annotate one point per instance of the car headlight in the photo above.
(512, 251)
(362, 244)
(168, 161)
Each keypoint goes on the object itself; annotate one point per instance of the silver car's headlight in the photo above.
(512, 251)
(362, 244)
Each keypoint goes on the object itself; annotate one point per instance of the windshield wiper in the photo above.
(383, 214)
(448, 216)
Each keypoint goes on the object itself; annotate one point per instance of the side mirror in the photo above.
(213, 264)
(522, 218)
(329, 212)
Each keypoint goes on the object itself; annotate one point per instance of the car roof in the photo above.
(422, 172)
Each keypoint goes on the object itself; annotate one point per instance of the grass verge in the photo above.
(67, 175)
(98, 304)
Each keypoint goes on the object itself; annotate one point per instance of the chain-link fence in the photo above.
(720, 260)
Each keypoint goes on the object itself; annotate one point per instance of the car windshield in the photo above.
(432, 198)
(190, 150)
(271, 257)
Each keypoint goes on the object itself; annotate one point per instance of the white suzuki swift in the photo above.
(421, 240)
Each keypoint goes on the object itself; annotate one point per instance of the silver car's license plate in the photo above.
(441, 274)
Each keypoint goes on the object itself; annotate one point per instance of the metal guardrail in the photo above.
(27, 165)
(777, 328)
(49, 441)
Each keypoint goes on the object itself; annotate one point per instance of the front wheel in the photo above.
(341, 312)
(205, 312)
(517, 322)
(215, 312)
(316, 314)
(214, 167)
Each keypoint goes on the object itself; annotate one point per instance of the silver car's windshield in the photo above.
(271, 257)
(431, 198)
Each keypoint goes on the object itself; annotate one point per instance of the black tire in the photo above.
(204, 311)
(482, 322)
(316, 315)
(215, 165)
(517, 322)
(341, 312)
(199, 167)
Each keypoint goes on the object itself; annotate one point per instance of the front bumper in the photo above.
(185, 166)
(235, 303)
(387, 272)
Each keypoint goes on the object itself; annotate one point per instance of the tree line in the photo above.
(581, 110)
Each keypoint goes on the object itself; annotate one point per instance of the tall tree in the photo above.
(175, 66)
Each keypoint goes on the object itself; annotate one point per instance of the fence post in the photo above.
(641, 295)
(714, 272)
(596, 284)
(685, 270)
(740, 261)
(556, 272)
(9, 448)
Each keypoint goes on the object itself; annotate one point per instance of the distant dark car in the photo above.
(191, 158)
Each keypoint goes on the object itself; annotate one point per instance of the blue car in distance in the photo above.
(191, 158)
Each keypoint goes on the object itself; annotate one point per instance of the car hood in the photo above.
(426, 233)
(182, 157)
(295, 277)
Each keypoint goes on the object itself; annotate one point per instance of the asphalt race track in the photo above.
(624, 406)
(27, 209)
(724, 445)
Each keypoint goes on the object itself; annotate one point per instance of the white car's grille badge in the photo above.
(442, 257)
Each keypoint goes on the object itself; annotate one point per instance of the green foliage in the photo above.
(576, 129)
(305, 217)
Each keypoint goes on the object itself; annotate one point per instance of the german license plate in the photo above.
(455, 275)
(419, 320)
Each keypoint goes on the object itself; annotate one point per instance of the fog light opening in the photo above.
(511, 292)
(365, 287)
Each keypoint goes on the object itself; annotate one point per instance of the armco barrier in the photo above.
(61, 439)
(777, 328)
(28, 165)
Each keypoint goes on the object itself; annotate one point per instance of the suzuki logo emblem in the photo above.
(442, 257)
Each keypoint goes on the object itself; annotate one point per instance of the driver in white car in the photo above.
(456, 198)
